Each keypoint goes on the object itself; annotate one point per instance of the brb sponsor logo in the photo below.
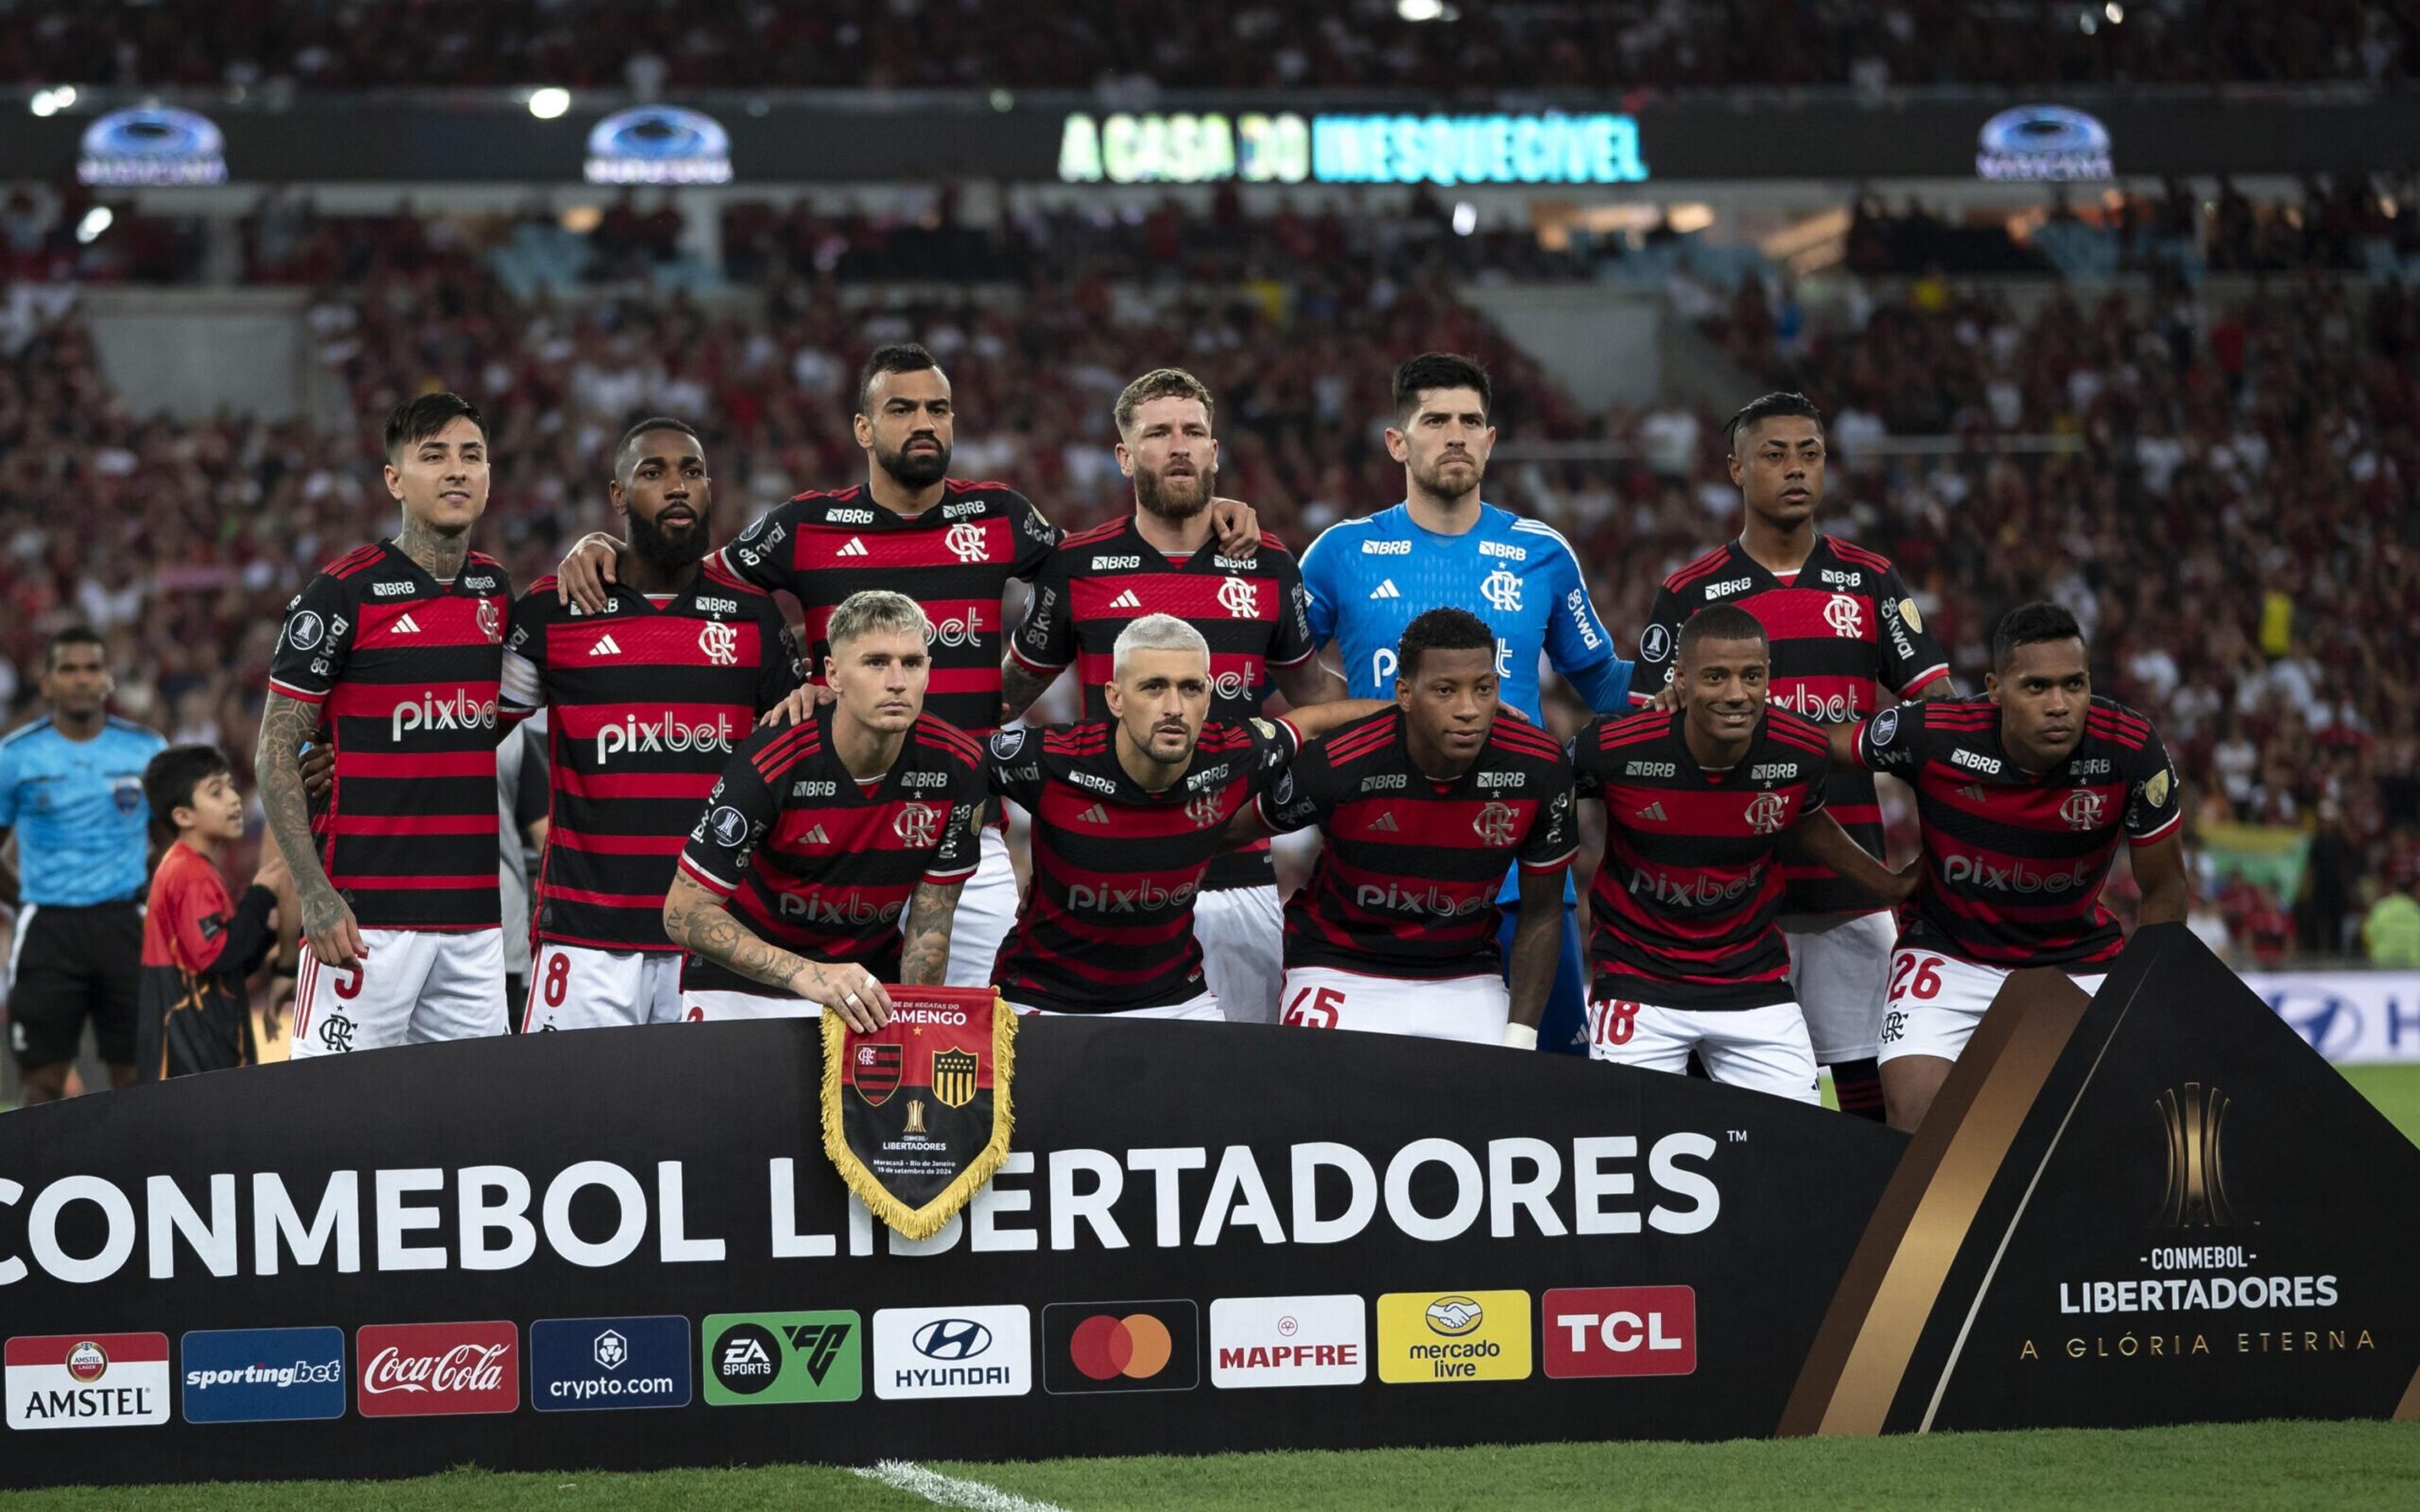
(1288, 1341)
(1091, 1347)
(1620, 1331)
(87, 1381)
(953, 1352)
(1430, 1337)
(755, 1358)
(586, 1365)
(263, 1375)
(666, 732)
(438, 1369)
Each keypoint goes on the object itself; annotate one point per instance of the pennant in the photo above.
(917, 1114)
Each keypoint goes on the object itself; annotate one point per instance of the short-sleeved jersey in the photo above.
(2015, 860)
(1252, 610)
(1407, 879)
(1843, 630)
(1686, 903)
(955, 559)
(644, 705)
(77, 806)
(1107, 924)
(816, 862)
(189, 985)
(407, 669)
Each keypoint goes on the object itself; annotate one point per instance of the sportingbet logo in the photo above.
(460, 712)
(1288, 1341)
(1143, 897)
(1433, 900)
(663, 733)
(2016, 877)
(1620, 1331)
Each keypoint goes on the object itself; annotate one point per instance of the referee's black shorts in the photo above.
(69, 964)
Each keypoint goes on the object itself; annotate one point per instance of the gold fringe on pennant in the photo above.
(926, 1221)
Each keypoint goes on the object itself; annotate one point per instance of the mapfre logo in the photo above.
(438, 1369)
(1620, 1331)
(1425, 1337)
(1288, 1341)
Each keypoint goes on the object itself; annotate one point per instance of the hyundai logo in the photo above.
(2330, 1024)
(951, 1338)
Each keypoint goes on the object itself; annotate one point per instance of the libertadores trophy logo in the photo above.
(2193, 1121)
(917, 1114)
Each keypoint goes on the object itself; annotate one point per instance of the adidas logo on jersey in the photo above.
(1973, 793)
(817, 837)
(856, 548)
(1386, 590)
(605, 647)
(407, 626)
(1653, 813)
(1383, 824)
(1097, 814)
(1127, 600)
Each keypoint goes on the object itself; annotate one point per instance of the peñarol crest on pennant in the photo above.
(917, 1114)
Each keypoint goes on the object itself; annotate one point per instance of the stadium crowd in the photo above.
(2229, 509)
(649, 46)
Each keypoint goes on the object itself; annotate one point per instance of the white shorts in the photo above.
(1762, 1049)
(1936, 1000)
(1205, 1007)
(412, 987)
(986, 908)
(1242, 931)
(1838, 969)
(576, 987)
(1470, 1008)
(723, 1005)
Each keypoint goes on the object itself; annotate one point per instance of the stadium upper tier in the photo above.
(647, 46)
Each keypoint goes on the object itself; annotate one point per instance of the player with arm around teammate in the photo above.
(1419, 808)
(2024, 795)
(1685, 906)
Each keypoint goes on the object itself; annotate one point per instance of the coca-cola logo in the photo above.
(428, 1369)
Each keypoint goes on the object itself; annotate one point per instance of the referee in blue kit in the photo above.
(72, 789)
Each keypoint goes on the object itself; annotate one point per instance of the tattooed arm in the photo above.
(696, 920)
(931, 910)
(327, 919)
(1019, 686)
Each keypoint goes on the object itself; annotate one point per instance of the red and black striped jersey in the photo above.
(645, 705)
(817, 862)
(955, 559)
(1252, 610)
(406, 669)
(1843, 631)
(1406, 880)
(2015, 860)
(1107, 923)
(1687, 901)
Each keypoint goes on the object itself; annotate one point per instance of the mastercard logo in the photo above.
(1137, 1347)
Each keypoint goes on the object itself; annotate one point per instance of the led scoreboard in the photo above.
(1287, 149)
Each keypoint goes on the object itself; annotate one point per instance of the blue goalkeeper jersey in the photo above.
(1369, 579)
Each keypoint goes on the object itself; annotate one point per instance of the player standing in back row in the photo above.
(2024, 795)
(399, 646)
(1249, 608)
(951, 545)
(1369, 579)
(1842, 629)
(646, 701)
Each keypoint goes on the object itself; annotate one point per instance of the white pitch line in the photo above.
(944, 1490)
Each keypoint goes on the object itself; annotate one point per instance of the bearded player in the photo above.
(1699, 803)
(824, 836)
(951, 545)
(1421, 808)
(1249, 608)
(2024, 795)
(1843, 629)
(646, 700)
(1128, 813)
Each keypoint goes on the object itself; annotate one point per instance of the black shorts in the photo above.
(69, 964)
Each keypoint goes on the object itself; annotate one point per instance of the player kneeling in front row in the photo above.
(1685, 938)
(1421, 805)
(2022, 794)
(821, 835)
(1127, 814)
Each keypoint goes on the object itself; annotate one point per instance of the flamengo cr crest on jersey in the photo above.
(2082, 809)
(1204, 810)
(1239, 598)
(1845, 615)
(965, 542)
(918, 825)
(1765, 815)
(1502, 589)
(719, 642)
(1494, 823)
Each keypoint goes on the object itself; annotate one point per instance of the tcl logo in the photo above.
(438, 1369)
(1620, 1331)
